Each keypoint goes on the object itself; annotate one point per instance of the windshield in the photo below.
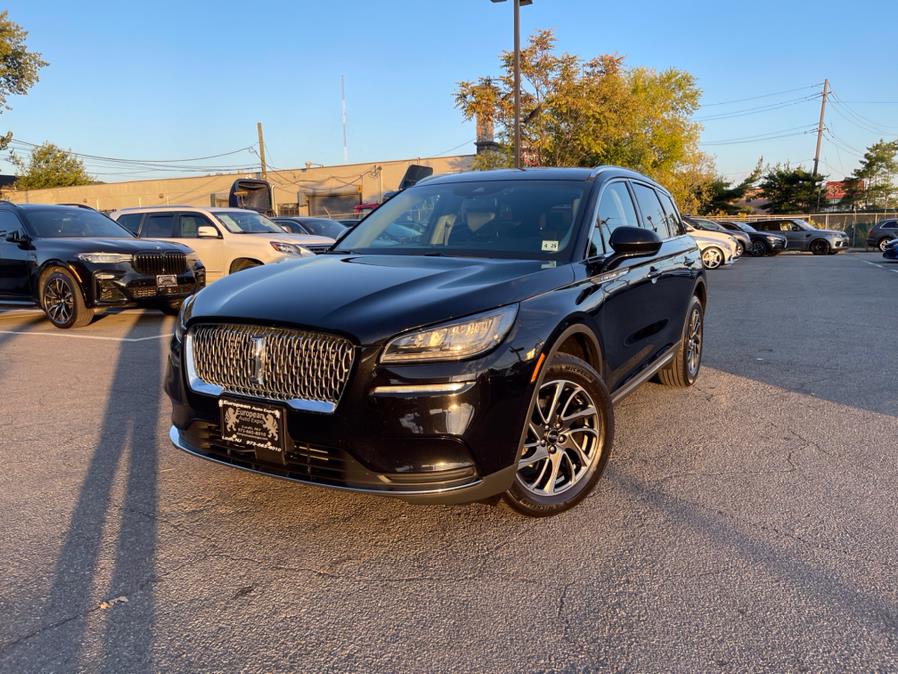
(711, 226)
(79, 222)
(526, 219)
(323, 227)
(745, 227)
(247, 222)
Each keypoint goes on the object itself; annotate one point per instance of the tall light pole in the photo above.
(517, 78)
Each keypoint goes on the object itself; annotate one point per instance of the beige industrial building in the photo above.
(314, 190)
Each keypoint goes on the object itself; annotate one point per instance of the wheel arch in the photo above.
(576, 338)
(701, 292)
(243, 258)
(56, 262)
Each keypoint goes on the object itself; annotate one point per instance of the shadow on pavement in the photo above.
(127, 440)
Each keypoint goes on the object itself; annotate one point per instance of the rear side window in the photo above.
(615, 210)
(130, 221)
(159, 225)
(653, 216)
(674, 224)
(189, 223)
(892, 224)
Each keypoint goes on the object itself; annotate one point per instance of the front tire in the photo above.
(684, 368)
(62, 301)
(883, 243)
(759, 248)
(740, 248)
(567, 442)
(820, 247)
(712, 257)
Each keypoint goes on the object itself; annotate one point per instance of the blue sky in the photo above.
(168, 80)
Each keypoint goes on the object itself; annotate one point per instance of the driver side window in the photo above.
(9, 223)
(615, 210)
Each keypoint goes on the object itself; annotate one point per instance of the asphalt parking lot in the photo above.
(748, 523)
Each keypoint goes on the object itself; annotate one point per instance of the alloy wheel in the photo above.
(758, 249)
(562, 441)
(883, 244)
(740, 249)
(59, 301)
(712, 258)
(694, 342)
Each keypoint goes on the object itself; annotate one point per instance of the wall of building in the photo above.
(293, 187)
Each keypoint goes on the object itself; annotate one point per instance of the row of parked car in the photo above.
(178, 249)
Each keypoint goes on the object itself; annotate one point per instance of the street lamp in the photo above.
(517, 78)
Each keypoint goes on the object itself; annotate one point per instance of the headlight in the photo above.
(289, 248)
(453, 341)
(105, 258)
(184, 316)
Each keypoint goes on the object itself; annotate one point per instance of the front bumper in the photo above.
(421, 447)
(117, 287)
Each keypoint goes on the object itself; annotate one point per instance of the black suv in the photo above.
(882, 234)
(71, 260)
(762, 243)
(477, 356)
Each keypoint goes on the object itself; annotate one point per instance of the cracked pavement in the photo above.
(748, 523)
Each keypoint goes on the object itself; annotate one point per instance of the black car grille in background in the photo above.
(160, 263)
(272, 363)
(318, 248)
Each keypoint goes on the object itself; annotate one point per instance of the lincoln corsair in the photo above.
(475, 357)
(72, 261)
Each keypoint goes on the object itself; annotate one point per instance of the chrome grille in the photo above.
(309, 370)
(160, 263)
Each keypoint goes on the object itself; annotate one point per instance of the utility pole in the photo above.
(262, 151)
(343, 117)
(820, 125)
(517, 84)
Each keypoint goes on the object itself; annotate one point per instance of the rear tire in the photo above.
(684, 369)
(740, 248)
(62, 301)
(567, 442)
(883, 242)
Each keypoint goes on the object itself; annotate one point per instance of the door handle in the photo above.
(654, 274)
(689, 261)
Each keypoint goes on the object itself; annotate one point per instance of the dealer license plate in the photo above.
(252, 426)
(166, 281)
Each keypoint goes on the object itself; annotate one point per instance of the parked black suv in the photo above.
(479, 358)
(71, 260)
(883, 233)
(762, 243)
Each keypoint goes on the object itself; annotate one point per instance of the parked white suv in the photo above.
(226, 239)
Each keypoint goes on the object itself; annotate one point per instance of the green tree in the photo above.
(49, 166)
(18, 66)
(719, 196)
(872, 185)
(588, 112)
(790, 190)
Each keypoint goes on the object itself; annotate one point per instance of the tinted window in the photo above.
(292, 226)
(653, 217)
(674, 226)
(158, 225)
(130, 221)
(615, 210)
(766, 226)
(890, 225)
(9, 222)
(527, 219)
(324, 227)
(190, 222)
(63, 221)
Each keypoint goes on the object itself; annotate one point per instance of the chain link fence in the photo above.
(855, 225)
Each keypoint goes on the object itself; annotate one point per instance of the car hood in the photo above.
(83, 244)
(828, 232)
(300, 239)
(373, 297)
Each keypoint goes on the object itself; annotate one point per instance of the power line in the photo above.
(143, 161)
(782, 133)
(760, 96)
(757, 110)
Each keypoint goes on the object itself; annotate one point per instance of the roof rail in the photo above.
(90, 208)
(6, 202)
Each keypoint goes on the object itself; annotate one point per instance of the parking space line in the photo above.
(98, 337)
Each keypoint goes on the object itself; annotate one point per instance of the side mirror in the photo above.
(630, 242)
(206, 232)
(16, 237)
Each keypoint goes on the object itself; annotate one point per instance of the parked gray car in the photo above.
(804, 236)
(884, 232)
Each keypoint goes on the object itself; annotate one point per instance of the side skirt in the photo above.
(644, 376)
